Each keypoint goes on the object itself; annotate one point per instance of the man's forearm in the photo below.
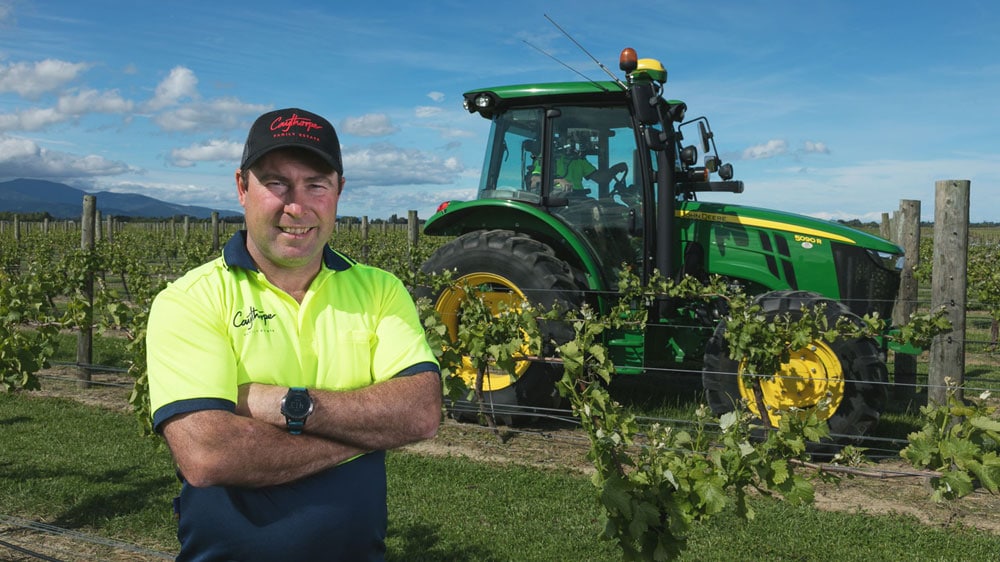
(382, 416)
(219, 448)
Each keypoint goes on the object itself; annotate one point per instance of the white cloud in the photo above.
(770, 149)
(180, 84)
(31, 119)
(213, 194)
(93, 101)
(436, 96)
(213, 150)
(381, 201)
(369, 125)
(12, 149)
(67, 107)
(816, 147)
(32, 80)
(869, 188)
(425, 111)
(20, 158)
(457, 133)
(875, 216)
(385, 164)
(212, 115)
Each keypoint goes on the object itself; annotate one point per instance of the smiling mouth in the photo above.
(291, 230)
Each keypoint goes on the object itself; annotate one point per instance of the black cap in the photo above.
(292, 127)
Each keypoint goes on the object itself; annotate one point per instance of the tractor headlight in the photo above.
(481, 103)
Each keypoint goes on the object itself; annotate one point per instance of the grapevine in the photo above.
(654, 481)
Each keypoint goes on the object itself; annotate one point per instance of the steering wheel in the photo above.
(619, 185)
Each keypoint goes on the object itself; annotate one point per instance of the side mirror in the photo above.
(706, 137)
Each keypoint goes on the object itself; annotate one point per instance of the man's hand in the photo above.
(261, 402)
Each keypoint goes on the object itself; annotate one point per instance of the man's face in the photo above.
(291, 212)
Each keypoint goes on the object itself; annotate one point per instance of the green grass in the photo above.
(110, 351)
(451, 509)
(84, 468)
(87, 469)
(783, 532)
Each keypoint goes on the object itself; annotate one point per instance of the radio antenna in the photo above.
(582, 75)
(592, 57)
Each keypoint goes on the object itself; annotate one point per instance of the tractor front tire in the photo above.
(849, 372)
(507, 267)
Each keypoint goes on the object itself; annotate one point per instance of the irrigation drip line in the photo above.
(27, 552)
(876, 473)
(78, 536)
(89, 367)
(91, 382)
(889, 444)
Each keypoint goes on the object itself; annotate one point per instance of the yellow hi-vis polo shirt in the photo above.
(224, 324)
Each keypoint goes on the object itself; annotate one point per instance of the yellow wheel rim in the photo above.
(812, 374)
(494, 289)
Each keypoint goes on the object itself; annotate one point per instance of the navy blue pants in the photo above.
(339, 514)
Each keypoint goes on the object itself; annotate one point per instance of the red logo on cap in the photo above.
(283, 125)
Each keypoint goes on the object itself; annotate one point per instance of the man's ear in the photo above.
(341, 188)
(241, 186)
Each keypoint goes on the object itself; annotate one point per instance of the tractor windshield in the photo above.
(589, 183)
(510, 157)
(594, 151)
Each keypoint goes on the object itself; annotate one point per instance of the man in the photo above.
(280, 372)
(572, 167)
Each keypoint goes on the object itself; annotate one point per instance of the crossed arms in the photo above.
(252, 447)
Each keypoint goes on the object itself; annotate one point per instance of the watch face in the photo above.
(297, 405)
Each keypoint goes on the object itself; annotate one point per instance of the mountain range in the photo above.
(64, 202)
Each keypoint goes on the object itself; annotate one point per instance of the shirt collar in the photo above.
(235, 254)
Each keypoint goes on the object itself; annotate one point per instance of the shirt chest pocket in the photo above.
(347, 356)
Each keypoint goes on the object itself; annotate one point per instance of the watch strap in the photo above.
(296, 425)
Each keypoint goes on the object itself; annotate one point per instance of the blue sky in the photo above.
(832, 109)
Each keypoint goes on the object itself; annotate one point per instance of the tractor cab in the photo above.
(602, 158)
(575, 162)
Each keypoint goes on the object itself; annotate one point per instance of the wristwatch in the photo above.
(296, 407)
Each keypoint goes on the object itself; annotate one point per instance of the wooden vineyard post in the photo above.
(413, 236)
(215, 232)
(948, 286)
(907, 235)
(364, 239)
(85, 336)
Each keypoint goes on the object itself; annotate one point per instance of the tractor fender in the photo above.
(459, 217)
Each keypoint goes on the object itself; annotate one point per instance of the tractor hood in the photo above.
(451, 219)
(803, 228)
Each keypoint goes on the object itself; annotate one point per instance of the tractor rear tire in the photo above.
(508, 262)
(860, 393)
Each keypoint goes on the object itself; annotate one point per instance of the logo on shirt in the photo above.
(251, 318)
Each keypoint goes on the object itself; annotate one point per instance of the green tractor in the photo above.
(583, 178)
